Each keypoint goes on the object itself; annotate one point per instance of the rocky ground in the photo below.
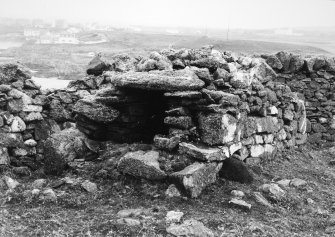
(292, 195)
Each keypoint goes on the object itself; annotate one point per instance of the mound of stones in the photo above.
(197, 108)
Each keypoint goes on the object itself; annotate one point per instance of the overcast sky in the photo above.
(198, 13)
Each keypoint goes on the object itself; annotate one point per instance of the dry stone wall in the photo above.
(197, 107)
(314, 79)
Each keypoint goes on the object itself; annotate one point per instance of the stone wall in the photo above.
(213, 102)
(313, 78)
(197, 107)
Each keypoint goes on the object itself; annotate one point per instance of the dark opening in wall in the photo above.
(141, 118)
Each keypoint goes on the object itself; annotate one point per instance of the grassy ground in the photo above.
(78, 213)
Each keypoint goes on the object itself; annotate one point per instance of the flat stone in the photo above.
(179, 80)
(165, 143)
(141, 164)
(32, 108)
(129, 221)
(33, 116)
(201, 153)
(284, 183)
(237, 194)
(39, 183)
(184, 94)
(194, 178)
(89, 186)
(173, 217)
(95, 111)
(183, 122)
(296, 182)
(262, 200)
(240, 203)
(273, 191)
(190, 228)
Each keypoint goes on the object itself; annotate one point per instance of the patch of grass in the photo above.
(78, 213)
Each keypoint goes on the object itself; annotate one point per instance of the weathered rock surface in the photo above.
(141, 164)
(190, 228)
(63, 147)
(158, 80)
(194, 178)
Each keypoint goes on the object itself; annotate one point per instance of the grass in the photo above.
(78, 213)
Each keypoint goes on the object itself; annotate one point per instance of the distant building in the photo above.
(67, 38)
(30, 34)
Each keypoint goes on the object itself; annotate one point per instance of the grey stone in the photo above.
(158, 80)
(142, 164)
(190, 228)
(201, 153)
(194, 178)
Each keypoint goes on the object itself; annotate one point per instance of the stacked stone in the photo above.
(21, 109)
(314, 79)
(218, 106)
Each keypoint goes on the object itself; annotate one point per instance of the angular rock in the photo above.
(183, 122)
(18, 125)
(274, 62)
(172, 191)
(240, 203)
(95, 111)
(63, 147)
(11, 139)
(263, 72)
(4, 157)
(190, 228)
(97, 66)
(216, 128)
(89, 186)
(273, 191)
(194, 178)
(173, 217)
(141, 164)
(262, 200)
(166, 143)
(201, 153)
(158, 80)
(241, 80)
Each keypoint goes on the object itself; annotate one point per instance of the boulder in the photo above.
(165, 80)
(63, 147)
(11, 72)
(141, 164)
(194, 178)
(97, 66)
